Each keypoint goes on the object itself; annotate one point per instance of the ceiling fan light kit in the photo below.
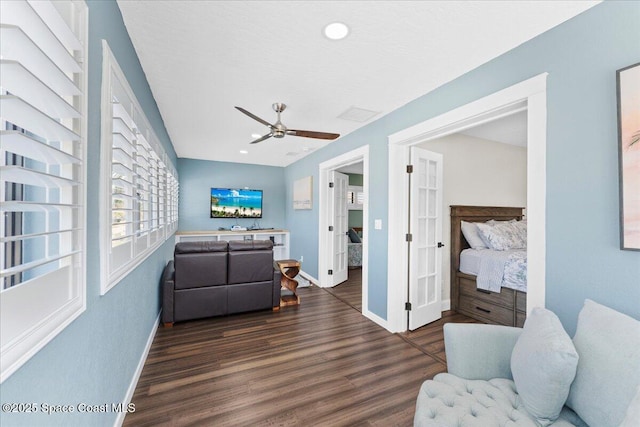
(278, 130)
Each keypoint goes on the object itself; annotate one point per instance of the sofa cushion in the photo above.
(608, 374)
(448, 400)
(247, 266)
(250, 245)
(200, 246)
(543, 364)
(200, 269)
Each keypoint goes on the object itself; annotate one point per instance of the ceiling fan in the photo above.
(278, 130)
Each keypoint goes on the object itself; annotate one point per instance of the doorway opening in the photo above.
(355, 165)
(529, 96)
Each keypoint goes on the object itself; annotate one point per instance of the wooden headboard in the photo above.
(474, 214)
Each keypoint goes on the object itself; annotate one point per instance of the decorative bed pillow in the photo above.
(501, 236)
(353, 236)
(543, 364)
(521, 230)
(472, 234)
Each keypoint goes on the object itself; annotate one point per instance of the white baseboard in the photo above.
(309, 278)
(445, 305)
(375, 319)
(136, 375)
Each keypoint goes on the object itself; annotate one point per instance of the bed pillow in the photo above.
(472, 234)
(501, 236)
(521, 230)
(543, 364)
(353, 236)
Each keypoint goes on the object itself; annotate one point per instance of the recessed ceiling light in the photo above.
(255, 135)
(244, 152)
(336, 31)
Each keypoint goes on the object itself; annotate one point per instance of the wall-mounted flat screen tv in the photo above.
(236, 203)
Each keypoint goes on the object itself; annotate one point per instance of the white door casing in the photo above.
(360, 154)
(425, 247)
(338, 230)
(530, 95)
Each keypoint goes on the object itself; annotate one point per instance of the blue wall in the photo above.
(94, 359)
(197, 177)
(583, 256)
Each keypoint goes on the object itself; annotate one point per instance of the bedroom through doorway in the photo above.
(485, 165)
(529, 96)
(353, 167)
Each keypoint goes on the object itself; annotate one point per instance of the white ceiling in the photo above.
(202, 58)
(511, 129)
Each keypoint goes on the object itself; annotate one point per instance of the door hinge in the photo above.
(330, 272)
(331, 185)
(408, 237)
(440, 244)
(407, 306)
(331, 228)
(409, 168)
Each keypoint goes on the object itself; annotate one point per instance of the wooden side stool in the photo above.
(289, 269)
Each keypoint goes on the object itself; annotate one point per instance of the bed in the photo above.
(486, 284)
(354, 247)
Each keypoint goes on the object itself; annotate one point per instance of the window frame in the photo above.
(35, 311)
(153, 180)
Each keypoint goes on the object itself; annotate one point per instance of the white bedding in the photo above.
(496, 269)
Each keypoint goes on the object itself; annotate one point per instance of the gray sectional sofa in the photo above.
(216, 278)
(538, 375)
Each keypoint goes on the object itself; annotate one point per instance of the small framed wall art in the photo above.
(628, 87)
(303, 193)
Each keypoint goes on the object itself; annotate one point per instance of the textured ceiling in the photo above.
(202, 58)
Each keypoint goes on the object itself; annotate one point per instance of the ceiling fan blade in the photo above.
(262, 138)
(254, 117)
(312, 134)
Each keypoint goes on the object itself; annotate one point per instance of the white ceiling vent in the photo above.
(292, 153)
(356, 114)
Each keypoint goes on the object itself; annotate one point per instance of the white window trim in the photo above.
(19, 305)
(111, 277)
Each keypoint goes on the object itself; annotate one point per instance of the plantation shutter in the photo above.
(43, 48)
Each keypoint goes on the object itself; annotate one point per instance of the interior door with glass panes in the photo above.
(425, 247)
(338, 230)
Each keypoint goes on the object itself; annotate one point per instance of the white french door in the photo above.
(338, 230)
(425, 247)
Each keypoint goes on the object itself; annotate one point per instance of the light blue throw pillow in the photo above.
(608, 374)
(543, 364)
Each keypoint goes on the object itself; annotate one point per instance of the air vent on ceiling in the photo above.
(356, 114)
(292, 153)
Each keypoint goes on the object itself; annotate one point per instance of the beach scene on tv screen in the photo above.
(232, 203)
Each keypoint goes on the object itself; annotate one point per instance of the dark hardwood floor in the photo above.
(429, 339)
(350, 291)
(321, 363)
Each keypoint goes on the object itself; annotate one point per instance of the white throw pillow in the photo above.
(543, 364)
(472, 235)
